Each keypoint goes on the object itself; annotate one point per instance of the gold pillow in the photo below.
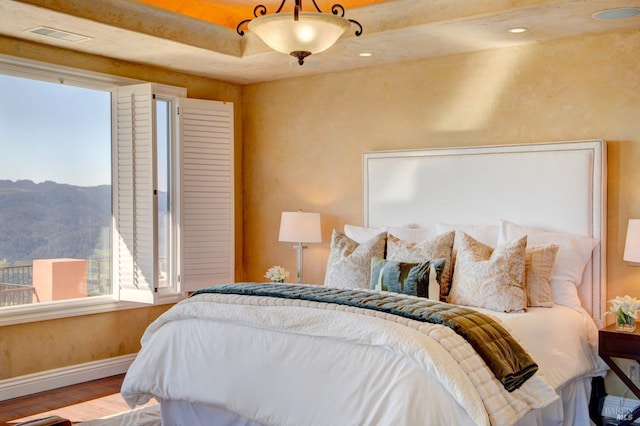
(539, 268)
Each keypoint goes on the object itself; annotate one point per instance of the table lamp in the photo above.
(300, 227)
(632, 245)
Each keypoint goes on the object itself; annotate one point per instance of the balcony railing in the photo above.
(16, 285)
(15, 294)
(16, 282)
(20, 275)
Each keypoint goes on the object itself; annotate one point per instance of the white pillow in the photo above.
(486, 234)
(410, 234)
(574, 252)
(360, 234)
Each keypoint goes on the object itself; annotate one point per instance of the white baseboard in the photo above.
(65, 376)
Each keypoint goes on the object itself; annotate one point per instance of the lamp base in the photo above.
(299, 247)
(300, 54)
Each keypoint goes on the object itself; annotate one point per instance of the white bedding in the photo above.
(355, 368)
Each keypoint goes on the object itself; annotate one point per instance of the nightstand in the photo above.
(618, 344)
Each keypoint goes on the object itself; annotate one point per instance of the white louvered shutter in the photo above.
(134, 201)
(207, 185)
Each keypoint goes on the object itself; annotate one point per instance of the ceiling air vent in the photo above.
(59, 34)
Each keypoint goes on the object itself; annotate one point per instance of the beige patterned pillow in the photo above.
(574, 253)
(539, 268)
(349, 263)
(438, 247)
(487, 278)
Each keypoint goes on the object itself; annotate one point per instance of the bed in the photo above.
(339, 354)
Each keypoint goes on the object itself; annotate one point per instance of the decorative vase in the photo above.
(278, 281)
(625, 322)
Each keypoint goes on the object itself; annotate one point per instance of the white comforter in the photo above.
(282, 362)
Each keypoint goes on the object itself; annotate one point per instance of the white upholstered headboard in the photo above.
(559, 186)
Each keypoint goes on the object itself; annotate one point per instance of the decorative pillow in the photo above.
(438, 247)
(420, 279)
(349, 263)
(487, 278)
(486, 234)
(360, 234)
(574, 252)
(539, 267)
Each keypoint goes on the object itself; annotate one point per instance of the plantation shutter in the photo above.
(207, 185)
(134, 208)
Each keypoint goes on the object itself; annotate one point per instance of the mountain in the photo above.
(51, 220)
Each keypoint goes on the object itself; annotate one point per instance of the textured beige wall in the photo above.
(46, 345)
(33, 347)
(304, 138)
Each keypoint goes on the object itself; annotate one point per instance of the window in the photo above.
(163, 166)
(55, 191)
(164, 127)
(203, 226)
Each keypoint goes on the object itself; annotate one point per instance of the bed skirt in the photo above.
(571, 409)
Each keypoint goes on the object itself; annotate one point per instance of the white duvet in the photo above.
(292, 362)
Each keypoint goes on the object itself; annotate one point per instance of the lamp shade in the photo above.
(632, 244)
(312, 32)
(300, 227)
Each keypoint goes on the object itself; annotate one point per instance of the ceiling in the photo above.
(229, 13)
(199, 37)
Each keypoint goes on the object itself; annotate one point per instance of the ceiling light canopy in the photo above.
(299, 33)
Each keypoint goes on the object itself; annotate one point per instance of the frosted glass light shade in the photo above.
(313, 32)
(300, 227)
(632, 244)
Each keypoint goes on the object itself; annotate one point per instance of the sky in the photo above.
(54, 132)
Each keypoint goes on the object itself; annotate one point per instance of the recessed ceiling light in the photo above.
(365, 54)
(59, 34)
(517, 30)
(614, 14)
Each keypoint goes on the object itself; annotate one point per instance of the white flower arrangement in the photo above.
(277, 274)
(625, 308)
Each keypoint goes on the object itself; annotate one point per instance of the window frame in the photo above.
(172, 158)
(42, 311)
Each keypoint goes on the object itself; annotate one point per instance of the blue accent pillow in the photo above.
(420, 279)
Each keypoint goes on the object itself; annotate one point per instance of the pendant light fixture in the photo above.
(299, 33)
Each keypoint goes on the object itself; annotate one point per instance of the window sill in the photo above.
(44, 311)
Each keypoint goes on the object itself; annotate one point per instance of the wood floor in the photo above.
(78, 403)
